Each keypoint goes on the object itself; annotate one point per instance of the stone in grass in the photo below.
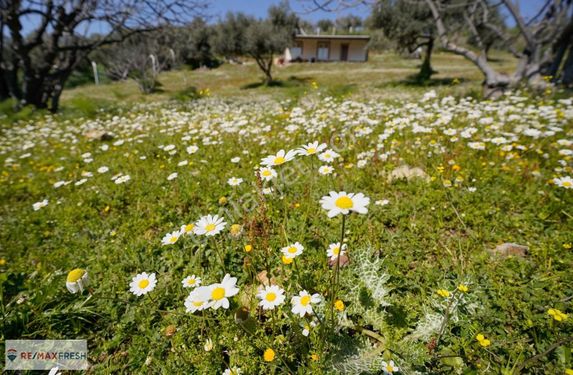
(510, 249)
(408, 173)
(98, 135)
(344, 260)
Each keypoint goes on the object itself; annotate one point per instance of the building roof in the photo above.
(326, 36)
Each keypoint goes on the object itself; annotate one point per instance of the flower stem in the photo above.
(335, 277)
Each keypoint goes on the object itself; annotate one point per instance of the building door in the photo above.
(322, 52)
(344, 52)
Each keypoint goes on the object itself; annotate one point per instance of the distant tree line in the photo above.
(44, 43)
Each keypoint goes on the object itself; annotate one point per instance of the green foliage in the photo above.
(434, 233)
(189, 93)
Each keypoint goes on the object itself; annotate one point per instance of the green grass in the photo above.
(433, 234)
(384, 75)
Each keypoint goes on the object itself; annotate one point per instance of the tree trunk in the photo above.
(35, 92)
(4, 90)
(426, 70)
(567, 76)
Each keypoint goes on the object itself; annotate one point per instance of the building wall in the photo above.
(357, 50)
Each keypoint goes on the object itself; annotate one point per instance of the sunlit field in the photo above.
(320, 230)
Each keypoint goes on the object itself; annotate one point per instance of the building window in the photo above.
(296, 51)
(322, 50)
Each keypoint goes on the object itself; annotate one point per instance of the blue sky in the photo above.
(258, 8)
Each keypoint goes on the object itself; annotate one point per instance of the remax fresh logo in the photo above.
(11, 354)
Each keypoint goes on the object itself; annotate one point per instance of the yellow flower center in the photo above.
(218, 293)
(266, 173)
(311, 150)
(191, 282)
(271, 297)
(305, 300)
(389, 368)
(336, 250)
(344, 202)
(292, 250)
(279, 160)
(75, 275)
(210, 227)
(198, 303)
(567, 184)
(143, 284)
(189, 227)
(173, 239)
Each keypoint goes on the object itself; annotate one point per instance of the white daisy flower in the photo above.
(36, 206)
(325, 170)
(142, 284)
(307, 327)
(389, 367)
(302, 304)
(60, 184)
(328, 156)
(182, 163)
(233, 371)
(343, 203)
(191, 281)
(236, 159)
(564, 182)
(192, 149)
(333, 250)
(382, 202)
(187, 229)
(172, 176)
(280, 158)
(267, 174)
(208, 345)
(197, 300)
(209, 225)
(77, 280)
(122, 179)
(271, 297)
(267, 190)
(218, 294)
(292, 251)
(171, 238)
(311, 149)
(102, 169)
(234, 181)
(477, 145)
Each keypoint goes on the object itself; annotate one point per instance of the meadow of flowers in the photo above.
(325, 235)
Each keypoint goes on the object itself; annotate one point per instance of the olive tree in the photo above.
(37, 60)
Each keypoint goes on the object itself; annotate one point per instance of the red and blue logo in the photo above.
(11, 354)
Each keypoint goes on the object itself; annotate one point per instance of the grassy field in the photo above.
(425, 284)
(384, 76)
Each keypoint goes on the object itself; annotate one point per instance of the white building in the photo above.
(311, 48)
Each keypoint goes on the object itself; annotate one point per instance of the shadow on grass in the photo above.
(292, 81)
(415, 81)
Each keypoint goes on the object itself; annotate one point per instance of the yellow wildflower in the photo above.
(269, 355)
(557, 315)
(443, 293)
